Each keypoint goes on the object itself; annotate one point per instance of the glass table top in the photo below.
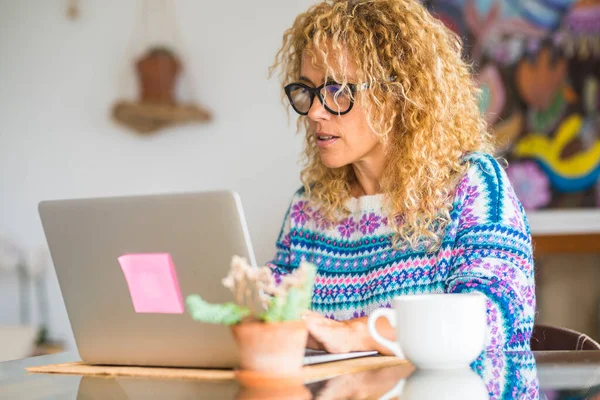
(518, 375)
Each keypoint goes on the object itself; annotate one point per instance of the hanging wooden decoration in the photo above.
(73, 9)
(157, 69)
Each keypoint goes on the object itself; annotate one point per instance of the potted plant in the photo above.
(265, 319)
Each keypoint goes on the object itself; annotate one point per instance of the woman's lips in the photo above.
(325, 139)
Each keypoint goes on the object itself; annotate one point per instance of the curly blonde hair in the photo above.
(422, 101)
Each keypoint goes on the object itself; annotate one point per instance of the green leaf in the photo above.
(226, 314)
(274, 310)
(294, 305)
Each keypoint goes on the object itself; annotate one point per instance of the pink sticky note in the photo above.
(152, 283)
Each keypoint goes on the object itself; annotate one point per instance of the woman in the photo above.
(400, 193)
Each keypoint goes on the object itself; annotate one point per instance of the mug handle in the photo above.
(391, 317)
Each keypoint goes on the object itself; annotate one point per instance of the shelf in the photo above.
(564, 222)
(565, 231)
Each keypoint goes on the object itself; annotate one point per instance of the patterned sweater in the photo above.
(486, 247)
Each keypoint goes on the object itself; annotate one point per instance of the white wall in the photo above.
(58, 79)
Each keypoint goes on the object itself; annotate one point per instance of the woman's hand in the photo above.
(327, 334)
(344, 336)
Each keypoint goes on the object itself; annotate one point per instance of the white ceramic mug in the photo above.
(435, 331)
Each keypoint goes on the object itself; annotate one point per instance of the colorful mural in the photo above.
(538, 65)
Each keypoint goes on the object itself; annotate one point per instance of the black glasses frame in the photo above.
(316, 92)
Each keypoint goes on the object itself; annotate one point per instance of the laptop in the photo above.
(89, 242)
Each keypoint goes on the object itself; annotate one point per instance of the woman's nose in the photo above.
(317, 112)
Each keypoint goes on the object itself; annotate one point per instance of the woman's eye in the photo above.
(335, 90)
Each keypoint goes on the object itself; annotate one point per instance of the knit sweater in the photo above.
(486, 247)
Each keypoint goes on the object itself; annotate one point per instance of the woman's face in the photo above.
(341, 139)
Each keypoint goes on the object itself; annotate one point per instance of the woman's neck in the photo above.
(365, 186)
(368, 174)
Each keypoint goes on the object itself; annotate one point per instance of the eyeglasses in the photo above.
(336, 98)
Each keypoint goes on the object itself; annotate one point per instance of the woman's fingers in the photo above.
(313, 343)
(326, 334)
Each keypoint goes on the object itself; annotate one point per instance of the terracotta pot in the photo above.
(157, 74)
(271, 348)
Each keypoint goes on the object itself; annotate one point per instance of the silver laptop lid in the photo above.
(201, 232)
